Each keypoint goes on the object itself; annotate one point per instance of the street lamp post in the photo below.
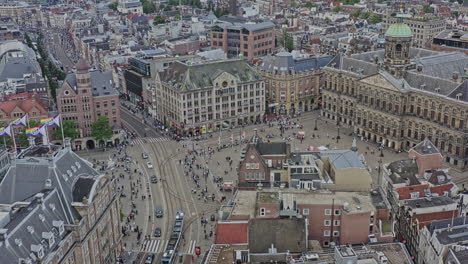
(381, 151)
(315, 128)
(338, 136)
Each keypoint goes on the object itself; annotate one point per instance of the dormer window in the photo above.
(414, 195)
(59, 225)
(30, 229)
(73, 168)
(38, 249)
(69, 173)
(78, 165)
(49, 238)
(65, 177)
(52, 206)
(18, 242)
(41, 217)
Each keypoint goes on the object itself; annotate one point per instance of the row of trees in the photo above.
(101, 130)
(49, 69)
(371, 18)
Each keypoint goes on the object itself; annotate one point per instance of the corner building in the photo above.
(196, 99)
(401, 95)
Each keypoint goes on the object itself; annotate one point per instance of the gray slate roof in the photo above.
(201, 76)
(272, 148)
(343, 159)
(284, 61)
(16, 68)
(101, 82)
(285, 235)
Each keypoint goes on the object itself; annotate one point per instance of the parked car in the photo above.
(144, 155)
(157, 232)
(149, 165)
(159, 212)
(154, 179)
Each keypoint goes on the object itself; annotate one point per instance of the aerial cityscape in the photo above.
(233, 131)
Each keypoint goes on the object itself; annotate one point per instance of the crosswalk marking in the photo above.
(153, 246)
(142, 141)
(191, 249)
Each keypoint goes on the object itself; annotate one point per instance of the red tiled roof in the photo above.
(232, 233)
(405, 192)
(26, 105)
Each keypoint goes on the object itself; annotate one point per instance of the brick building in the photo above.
(84, 96)
(16, 106)
(248, 40)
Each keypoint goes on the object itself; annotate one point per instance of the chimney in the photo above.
(3, 234)
(419, 68)
(40, 197)
(455, 76)
(48, 184)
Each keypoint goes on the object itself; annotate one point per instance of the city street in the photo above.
(186, 171)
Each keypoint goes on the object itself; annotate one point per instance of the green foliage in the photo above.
(356, 13)
(349, 2)
(113, 6)
(365, 15)
(29, 41)
(69, 130)
(159, 20)
(177, 17)
(375, 18)
(287, 41)
(220, 12)
(101, 129)
(309, 5)
(49, 70)
(428, 9)
(148, 7)
(337, 9)
(21, 139)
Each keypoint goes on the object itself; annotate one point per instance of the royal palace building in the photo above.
(401, 95)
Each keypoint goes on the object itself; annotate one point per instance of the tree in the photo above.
(101, 129)
(22, 139)
(309, 5)
(220, 12)
(337, 9)
(287, 41)
(159, 20)
(365, 15)
(428, 9)
(356, 13)
(375, 18)
(113, 6)
(69, 130)
(148, 7)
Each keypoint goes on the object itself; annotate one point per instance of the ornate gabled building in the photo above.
(401, 95)
(56, 208)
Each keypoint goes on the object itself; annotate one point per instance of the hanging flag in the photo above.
(38, 131)
(20, 121)
(53, 121)
(5, 131)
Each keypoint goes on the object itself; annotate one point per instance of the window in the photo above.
(327, 223)
(326, 233)
(414, 195)
(337, 212)
(305, 212)
(336, 233)
(336, 222)
(327, 211)
(262, 211)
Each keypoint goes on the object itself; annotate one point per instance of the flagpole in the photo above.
(47, 136)
(14, 141)
(61, 127)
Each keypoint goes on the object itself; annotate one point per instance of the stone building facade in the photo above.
(424, 29)
(399, 96)
(84, 96)
(196, 99)
(292, 85)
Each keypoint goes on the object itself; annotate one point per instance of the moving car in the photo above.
(144, 155)
(159, 212)
(157, 232)
(154, 179)
(149, 165)
(149, 259)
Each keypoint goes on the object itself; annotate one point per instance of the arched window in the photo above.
(398, 49)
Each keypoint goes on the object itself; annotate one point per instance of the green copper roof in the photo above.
(399, 30)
